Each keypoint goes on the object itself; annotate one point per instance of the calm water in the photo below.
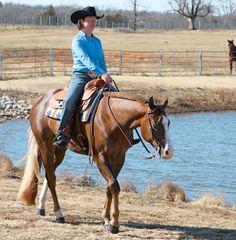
(205, 155)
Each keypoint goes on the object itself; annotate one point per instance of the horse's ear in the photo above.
(151, 103)
(166, 102)
(228, 41)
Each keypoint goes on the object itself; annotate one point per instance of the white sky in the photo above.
(149, 5)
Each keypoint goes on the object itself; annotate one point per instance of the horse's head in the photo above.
(155, 129)
(231, 43)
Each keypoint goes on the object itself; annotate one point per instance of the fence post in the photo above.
(1, 65)
(161, 62)
(120, 61)
(51, 54)
(41, 21)
(200, 62)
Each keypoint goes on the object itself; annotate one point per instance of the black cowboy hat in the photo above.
(83, 13)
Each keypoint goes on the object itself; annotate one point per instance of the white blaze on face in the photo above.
(168, 151)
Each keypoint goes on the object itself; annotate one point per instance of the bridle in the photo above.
(151, 129)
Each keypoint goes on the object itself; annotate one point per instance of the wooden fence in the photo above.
(44, 62)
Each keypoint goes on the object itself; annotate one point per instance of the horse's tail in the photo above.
(29, 185)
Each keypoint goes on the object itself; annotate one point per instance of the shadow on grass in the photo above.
(185, 232)
(182, 232)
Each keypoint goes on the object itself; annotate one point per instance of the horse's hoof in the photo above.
(112, 229)
(41, 212)
(60, 220)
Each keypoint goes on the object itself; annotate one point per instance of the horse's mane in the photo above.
(126, 96)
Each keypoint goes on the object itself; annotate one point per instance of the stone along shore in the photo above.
(11, 108)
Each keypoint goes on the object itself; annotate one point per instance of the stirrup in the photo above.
(61, 140)
(136, 141)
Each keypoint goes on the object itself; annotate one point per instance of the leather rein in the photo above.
(152, 155)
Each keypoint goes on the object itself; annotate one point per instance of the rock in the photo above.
(10, 108)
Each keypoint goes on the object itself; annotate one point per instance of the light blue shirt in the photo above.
(88, 54)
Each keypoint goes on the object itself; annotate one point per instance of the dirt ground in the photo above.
(185, 94)
(142, 216)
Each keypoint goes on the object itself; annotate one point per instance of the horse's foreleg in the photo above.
(107, 206)
(114, 187)
(115, 210)
(42, 198)
(231, 67)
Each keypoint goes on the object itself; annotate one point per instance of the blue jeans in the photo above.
(72, 98)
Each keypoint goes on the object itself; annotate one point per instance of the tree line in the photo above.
(180, 11)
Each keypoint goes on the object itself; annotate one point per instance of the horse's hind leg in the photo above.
(231, 66)
(47, 153)
(59, 156)
(42, 198)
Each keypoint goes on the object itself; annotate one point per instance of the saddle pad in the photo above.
(56, 113)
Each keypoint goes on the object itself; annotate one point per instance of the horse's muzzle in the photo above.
(166, 152)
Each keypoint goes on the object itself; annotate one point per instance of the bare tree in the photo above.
(191, 9)
(226, 7)
(136, 13)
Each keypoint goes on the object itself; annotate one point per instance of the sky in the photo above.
(149, 5)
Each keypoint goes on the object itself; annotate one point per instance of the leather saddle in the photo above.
(90, 90)
(93, 92)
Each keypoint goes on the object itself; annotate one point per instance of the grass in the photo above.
(173, 40)
(210, 200)
(167, 191)
(142, 216)
(185, 94)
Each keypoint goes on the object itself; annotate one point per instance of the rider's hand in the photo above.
(107, 78)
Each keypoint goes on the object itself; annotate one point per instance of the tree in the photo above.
(118, 18)
(1, 5)
(136, 13)
(227, 7)
(191, 9)
(50, 12)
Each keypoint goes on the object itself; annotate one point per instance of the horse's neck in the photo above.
(130, 112)
(232, 48)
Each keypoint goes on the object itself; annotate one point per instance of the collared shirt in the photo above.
(87, 54)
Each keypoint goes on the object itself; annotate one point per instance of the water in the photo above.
(204, 160)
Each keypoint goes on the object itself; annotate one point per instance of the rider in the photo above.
(88, 63)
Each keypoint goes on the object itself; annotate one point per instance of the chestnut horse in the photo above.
(116, 117)
(232, 54)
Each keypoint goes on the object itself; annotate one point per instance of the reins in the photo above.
(141, 140)
(90, 153)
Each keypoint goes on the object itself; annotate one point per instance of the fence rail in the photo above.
(148, 25)
(51, 62)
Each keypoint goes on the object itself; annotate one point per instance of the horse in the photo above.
(232, 54)
(116, 117)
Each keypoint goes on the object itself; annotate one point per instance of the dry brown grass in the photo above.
(113, 40)
(167, 191)
(5, 163)
(128, 186)
(210, 200)
(143, 216)
(185, 94)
